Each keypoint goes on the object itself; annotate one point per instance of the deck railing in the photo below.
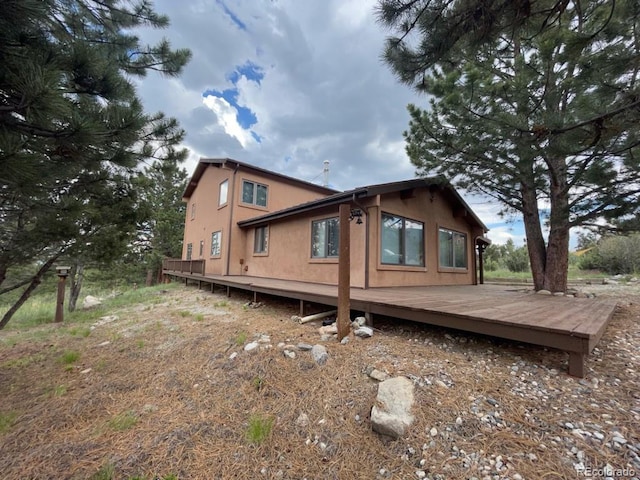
(183, 266)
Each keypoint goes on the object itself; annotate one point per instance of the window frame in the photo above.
(403, 242)
(325, 253)
(193, 211)
(254, 194)
(189, 251)
(218, 253)
(226, 193)
(262, 242)
(453, 235)
(201, 250)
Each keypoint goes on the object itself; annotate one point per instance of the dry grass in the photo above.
(163, 398)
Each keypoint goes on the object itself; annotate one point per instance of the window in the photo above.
(402, 241)
(216, 240)
(261, 240)
(201, 248)
(189, 250)
(224, 190)
(193, 211)
(453, 249)
(325, 238)
(254, 193)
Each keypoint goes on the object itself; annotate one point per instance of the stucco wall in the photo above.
(289, 252)
(210, 217)
(434, 211)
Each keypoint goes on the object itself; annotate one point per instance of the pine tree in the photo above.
(72, 131)
(543, 114)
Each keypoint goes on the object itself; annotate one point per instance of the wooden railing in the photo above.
(183, 266)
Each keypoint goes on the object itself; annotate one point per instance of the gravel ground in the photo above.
(167, 388)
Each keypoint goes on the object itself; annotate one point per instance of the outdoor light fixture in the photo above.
(357, 214)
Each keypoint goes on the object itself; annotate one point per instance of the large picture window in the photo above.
(402, 241)
(216, 241)
(254, 193)
(453, 249)
(325, 238)
(261, 240)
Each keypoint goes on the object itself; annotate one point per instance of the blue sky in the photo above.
(286, 85)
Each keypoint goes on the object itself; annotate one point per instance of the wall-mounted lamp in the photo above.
(357, 214)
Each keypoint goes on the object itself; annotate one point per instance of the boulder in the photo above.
(391, 414)
(363, 332)
(319, 354)
(90, 301)
(330, 329)
(378, 375)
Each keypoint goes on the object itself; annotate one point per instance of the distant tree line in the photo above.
(507, 256)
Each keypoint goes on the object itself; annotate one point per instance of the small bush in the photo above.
(124, 421)
(259, 429)
(106, 472)
(241, 338)
(69, 357)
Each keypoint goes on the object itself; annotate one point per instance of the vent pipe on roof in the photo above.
(325, 173)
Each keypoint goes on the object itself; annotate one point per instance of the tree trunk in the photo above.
(35, 281)
(557, 266)
(555, 278)
(535, 239)
(77, 276)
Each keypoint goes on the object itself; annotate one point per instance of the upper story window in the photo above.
(402, 241)
(261, 240)
(193, 211)
(325, 238)
(201, 248)
(254, 193)
(453, 249)
(224, 191)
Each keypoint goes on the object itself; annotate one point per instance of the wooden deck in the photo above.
(574, 325)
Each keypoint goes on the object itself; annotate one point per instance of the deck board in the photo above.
(571, 324)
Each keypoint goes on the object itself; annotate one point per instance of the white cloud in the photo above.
(226, 115)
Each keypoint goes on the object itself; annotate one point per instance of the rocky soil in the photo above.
(190, 384)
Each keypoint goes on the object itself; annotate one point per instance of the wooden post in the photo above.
(63, 273)
(344, 273)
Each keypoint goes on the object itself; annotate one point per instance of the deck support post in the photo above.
(576, 364)
(368, 316)
(255, 297)
(213, 287)
(344, 273)
(302, 305)
(228, 291)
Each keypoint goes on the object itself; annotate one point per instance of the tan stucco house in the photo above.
(245, 220)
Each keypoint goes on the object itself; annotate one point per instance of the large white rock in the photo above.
(364, 332)
(90, 301)
(391, 414)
